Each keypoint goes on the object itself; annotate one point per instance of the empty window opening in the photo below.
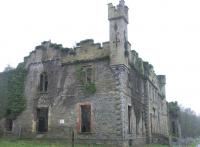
(43, 82)
(85, 118)
(173, 128)
(137, 85)
(154, 111)
(9, 124)
(89, 75)
(42, 120)
(143, 124)
(129, 119)
(151, 123)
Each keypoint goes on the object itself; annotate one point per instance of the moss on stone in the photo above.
(90, 88)
(80, 74)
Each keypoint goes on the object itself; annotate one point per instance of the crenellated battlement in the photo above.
(146, 70)
(88, 50)
(84, 51)
(120, 11)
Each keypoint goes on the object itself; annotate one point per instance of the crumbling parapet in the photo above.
(162, 82)
(84, 51)
(147, 71)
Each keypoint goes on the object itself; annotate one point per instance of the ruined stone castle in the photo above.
(104, 92)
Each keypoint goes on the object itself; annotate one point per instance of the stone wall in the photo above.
(64, 96)
(117, 88)
(123, 82)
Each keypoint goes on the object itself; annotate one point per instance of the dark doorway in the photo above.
(42, 120)
(9, 124)
(85, 118)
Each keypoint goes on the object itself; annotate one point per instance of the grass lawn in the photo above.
(52, 143)
(152, 145)
(31, 143)
(191, 145)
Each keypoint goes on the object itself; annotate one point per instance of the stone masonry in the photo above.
(104, 93)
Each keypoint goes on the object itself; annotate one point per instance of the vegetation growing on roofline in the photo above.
(12, 97)
(46, 44)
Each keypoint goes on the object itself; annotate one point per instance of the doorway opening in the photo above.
(85, 118)
(42, 120)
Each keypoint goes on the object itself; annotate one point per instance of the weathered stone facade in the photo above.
(126, 106)
(174, 121)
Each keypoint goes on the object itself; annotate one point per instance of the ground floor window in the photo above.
(85, 118)
(151, 123)
(9, 124)
(42, 120)
(129, 118)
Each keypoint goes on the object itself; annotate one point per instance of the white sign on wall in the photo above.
(62, 121)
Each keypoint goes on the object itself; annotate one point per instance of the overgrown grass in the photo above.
(53, 143)
(191, 145)
(152, 145)
(31, 143)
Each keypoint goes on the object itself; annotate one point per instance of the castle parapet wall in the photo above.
(84, 51)
(121, 11)
(147, 71)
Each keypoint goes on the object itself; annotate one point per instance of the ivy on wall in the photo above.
(81, 75)
(12, 91)
(4, 76)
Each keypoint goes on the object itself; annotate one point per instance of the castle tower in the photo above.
(119, 45)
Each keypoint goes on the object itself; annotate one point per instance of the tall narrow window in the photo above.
(43, 82)
(125, 42)
(129, 119)
(89, 75)
(173, 128)
(85, 118)
(137, 85)
(154, 111)
(143, 123)
(151, 123)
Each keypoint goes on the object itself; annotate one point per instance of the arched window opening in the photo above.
(43, 82)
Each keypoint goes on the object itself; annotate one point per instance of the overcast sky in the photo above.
(164, 32)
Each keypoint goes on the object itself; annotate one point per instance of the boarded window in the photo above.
(129, 119)
(85, 118)
(43, 82)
